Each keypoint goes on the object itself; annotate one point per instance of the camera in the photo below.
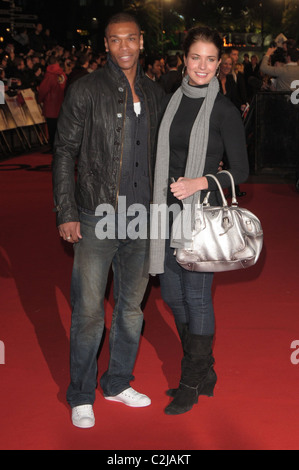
(12, 83)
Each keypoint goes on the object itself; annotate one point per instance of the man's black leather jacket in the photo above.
(90, 133)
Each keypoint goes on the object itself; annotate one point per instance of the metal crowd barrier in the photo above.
(22, 124)
(272, 130)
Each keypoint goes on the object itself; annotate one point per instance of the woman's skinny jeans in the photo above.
(188, 294)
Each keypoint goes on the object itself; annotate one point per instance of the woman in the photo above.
(198, 127)
(228, 86)
(241, 84)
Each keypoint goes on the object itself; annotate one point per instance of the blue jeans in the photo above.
(92, 261)
(188, 294)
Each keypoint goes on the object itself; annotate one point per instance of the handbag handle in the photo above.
(224, 201)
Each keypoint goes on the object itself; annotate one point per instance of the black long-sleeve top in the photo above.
(226, 137)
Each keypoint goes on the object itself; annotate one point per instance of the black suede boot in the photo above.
(211, 379)
(208, 388)
(196, 374)
(183, 331)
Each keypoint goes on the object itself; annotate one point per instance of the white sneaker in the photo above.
(83, 416)
(131, 398)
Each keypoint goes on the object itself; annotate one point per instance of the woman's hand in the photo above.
(185, 187)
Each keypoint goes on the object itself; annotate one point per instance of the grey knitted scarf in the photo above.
(194, 168)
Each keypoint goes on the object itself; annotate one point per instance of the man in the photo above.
(36, 40)
(21, 73)
(245, 59)
(153, 69)
(234, 55)
(108, 123)
(241, 87)
(171, 80)
(51, 95)
(286, 73)
(238, 77)
(79, 70)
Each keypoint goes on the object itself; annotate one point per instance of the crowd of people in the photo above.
(39, 62)
(28, 59)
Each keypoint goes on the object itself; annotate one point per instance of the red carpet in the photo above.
(256, 397)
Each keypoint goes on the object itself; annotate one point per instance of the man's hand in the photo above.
(70, 231)
(270, 51)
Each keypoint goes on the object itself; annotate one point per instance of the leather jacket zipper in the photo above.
(149, 146)
(148, 141)
(122, 148)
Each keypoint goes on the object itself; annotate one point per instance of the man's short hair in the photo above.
(231, 49)
(150, 60)
(293, 53)
(122, 17)
(172, 61)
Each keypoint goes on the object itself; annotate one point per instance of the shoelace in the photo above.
(130, 392)
(84, 409)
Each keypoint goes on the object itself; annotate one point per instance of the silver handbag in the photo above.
(224, 238)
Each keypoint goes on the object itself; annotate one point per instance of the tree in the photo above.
(291, 20)
(157, 21)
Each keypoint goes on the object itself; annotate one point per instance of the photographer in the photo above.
(20, 75)
(284, 73)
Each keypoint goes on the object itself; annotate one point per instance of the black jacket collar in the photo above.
(118, 74)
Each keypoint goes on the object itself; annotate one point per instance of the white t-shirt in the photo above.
(137, 108)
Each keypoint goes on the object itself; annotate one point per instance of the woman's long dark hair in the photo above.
(200, 33)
